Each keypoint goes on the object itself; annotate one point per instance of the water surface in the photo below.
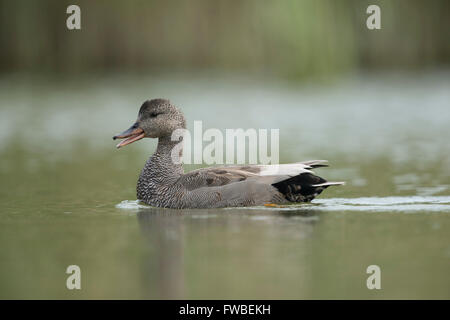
(68, 197)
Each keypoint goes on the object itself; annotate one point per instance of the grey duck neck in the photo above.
(159, 173)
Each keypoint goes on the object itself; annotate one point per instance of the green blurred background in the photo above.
(375, 103)
(294, 39)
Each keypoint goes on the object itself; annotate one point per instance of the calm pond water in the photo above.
(67, 196)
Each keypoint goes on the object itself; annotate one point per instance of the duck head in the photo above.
(157, 118)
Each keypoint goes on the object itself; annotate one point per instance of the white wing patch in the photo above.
(331, 183)
(288, 169)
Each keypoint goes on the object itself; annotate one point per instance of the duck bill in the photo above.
(134, 133)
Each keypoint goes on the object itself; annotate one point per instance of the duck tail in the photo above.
(303, 187)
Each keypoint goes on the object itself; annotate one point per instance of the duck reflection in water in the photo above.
(214, 237)
(164, 231)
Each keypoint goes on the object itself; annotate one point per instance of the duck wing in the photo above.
(213, 177)
(252, 185)
(270, 174)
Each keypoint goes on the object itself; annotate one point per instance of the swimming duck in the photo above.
(163, 183)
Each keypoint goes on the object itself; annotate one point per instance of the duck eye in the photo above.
(153, 115)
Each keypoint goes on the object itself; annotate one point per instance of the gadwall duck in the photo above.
(163, 183)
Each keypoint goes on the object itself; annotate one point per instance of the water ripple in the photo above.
(405, 204)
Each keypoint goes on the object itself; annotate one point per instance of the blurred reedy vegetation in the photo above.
(296, 39)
